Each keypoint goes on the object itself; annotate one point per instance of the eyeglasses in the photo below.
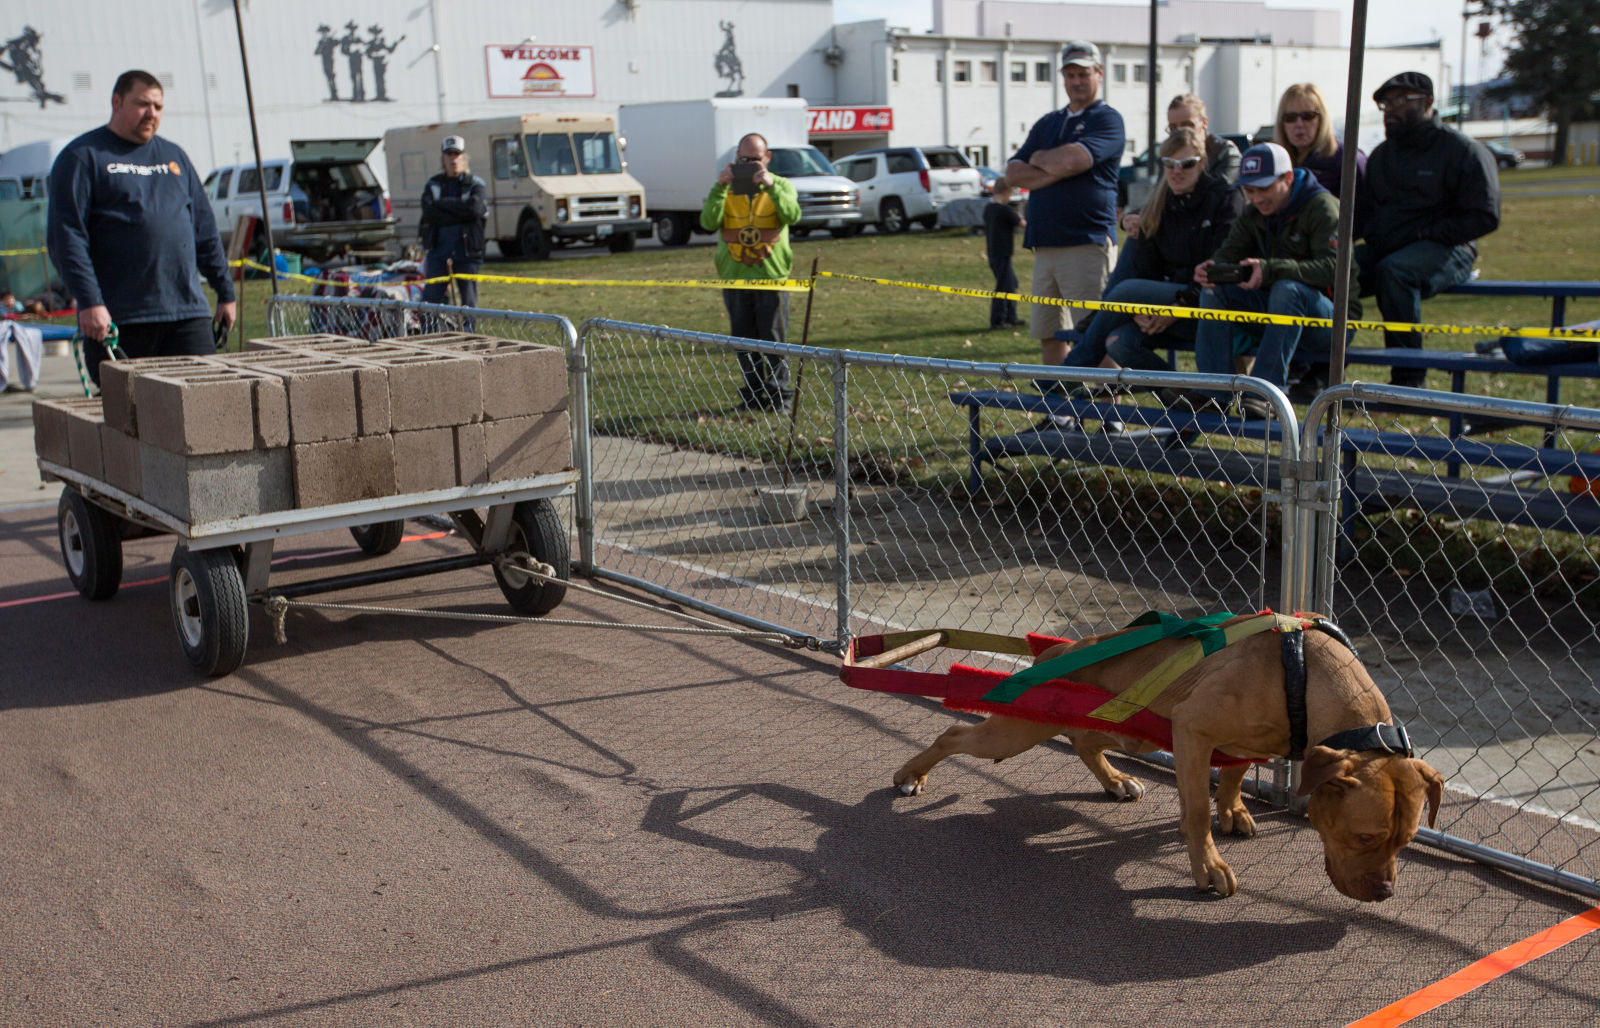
(1173, 126)
(749, 160)
(1292, 117)
(1180, 163)
(1403, 100)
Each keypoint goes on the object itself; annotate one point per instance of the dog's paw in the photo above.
(910, 787)
(1236, 821)
(1127, 790)
(1217, 877)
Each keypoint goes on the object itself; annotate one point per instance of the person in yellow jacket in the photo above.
(753, 243)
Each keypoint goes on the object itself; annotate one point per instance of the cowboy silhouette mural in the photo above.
(20, 55)
(727, 61)
(373, 48)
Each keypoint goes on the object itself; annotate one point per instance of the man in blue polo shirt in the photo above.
(1069, 165)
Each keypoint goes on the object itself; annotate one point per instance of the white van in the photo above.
(323, 199)
(554, 180)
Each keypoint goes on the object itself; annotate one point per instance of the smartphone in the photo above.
(1224, 274)
(744, 178)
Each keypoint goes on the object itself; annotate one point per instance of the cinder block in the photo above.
(216, 487)
(525, 447)
(83, 440)
(519, 379)
(119, 452)
(424, 460)
(437, 339)
(472, 460)
(116, 386)
(271, 412)
(429, 390)
(321, 393)
(50, 420)
(374, 405)
(208, 409)
(296, 343)
(343, 470)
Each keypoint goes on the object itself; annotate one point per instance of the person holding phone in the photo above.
(128, 227)
(751, 210)
(1278, 258)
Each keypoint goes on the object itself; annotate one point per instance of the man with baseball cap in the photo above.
(1433, 191)
(455, 204)
(1069, 166)
(1279, 258)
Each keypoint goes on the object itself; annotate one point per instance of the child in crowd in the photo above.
(1000, 224)
(9, 304)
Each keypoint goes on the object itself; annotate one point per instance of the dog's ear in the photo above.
(1435, 783)
(1324, 766)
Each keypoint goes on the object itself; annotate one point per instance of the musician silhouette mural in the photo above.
(356, 50)
(728, 64)
(21, 56)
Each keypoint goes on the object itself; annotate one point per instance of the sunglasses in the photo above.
(749, 160)
(1291, 117)
(1401, 100)
(1180, 163)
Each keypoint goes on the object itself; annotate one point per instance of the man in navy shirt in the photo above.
(1069, 165)
(129, 224)
(455, 203)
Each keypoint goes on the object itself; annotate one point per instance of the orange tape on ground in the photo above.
(1482, 972)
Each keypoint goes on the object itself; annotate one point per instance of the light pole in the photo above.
(1461, 99)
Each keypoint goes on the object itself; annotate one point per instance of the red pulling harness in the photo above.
(1056, 702)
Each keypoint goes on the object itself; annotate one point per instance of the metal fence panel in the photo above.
(1467, 570)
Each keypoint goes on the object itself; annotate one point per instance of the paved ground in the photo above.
(389, 819)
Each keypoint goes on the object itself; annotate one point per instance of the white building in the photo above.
(435, 60)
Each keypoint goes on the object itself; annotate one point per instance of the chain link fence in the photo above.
(915, 493)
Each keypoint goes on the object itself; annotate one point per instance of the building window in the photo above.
(1041, 71)
(1138, 73)
(794, 89)
(989, 71)
(1019, 71)
(1188, 74)
(1119, 73)
(938, 70)
(894, 71)
(963, 72)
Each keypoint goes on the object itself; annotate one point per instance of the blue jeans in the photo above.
(1402, 280)
(1275, 345)
(1114, 334)
(439, 292)
(1124, 269)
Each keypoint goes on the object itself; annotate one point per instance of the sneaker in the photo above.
(1055, 423)
(1486, 347)
(1113, 427)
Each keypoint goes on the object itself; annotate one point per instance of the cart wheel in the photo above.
(209, 609)
(536, 530)
(376, 540)
(91, 546)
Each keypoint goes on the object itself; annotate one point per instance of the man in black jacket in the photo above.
(454, 206)
(1433, 191)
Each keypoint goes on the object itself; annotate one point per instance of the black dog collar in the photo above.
(1389, 738)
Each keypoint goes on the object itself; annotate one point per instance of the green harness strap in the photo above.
(1148, 628)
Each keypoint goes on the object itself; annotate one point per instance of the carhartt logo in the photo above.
(121, 168)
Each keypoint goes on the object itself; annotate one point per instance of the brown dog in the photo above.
(1365, 804)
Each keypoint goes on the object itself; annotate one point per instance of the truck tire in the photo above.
(796, 232)
(892, 216)
(622, 242)
(532, 240)
(929, 221)
(673, 229)
(509, 249)
(849, 231)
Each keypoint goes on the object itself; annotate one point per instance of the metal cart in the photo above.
(220, 567)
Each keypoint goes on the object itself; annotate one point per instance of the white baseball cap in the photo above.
(1263, 164)
(455, 143)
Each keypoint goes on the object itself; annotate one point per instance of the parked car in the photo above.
(990, 176)
(1505, 156)
(905, 184)
(827, 199)
(323, 200)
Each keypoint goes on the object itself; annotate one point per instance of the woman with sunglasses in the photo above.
(1185, 219)
(1305, 130)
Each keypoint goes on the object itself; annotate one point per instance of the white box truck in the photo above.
(554, 180)
(677, 148)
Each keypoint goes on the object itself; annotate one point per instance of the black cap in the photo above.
(1410, 81)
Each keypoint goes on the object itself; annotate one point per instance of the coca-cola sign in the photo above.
(838, 121)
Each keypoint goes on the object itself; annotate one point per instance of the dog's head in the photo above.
(1367, 807)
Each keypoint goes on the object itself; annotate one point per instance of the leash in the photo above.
(112, 350)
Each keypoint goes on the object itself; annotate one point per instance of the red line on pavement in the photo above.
(1482, 972)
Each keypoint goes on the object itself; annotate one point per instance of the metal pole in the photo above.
(1347, 194)
(1150, 81)
(1461, 102)
(261, 175)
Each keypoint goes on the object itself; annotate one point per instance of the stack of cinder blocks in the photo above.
(308, 421)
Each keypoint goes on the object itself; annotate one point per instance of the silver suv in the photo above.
(902, 184)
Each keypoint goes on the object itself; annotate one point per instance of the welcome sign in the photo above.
(539, 71)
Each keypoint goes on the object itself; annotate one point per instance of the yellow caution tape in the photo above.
(780, 285)
(291, 275)
(1238, 317)
(23, 253)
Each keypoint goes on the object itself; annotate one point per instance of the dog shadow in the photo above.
(1030, 886)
